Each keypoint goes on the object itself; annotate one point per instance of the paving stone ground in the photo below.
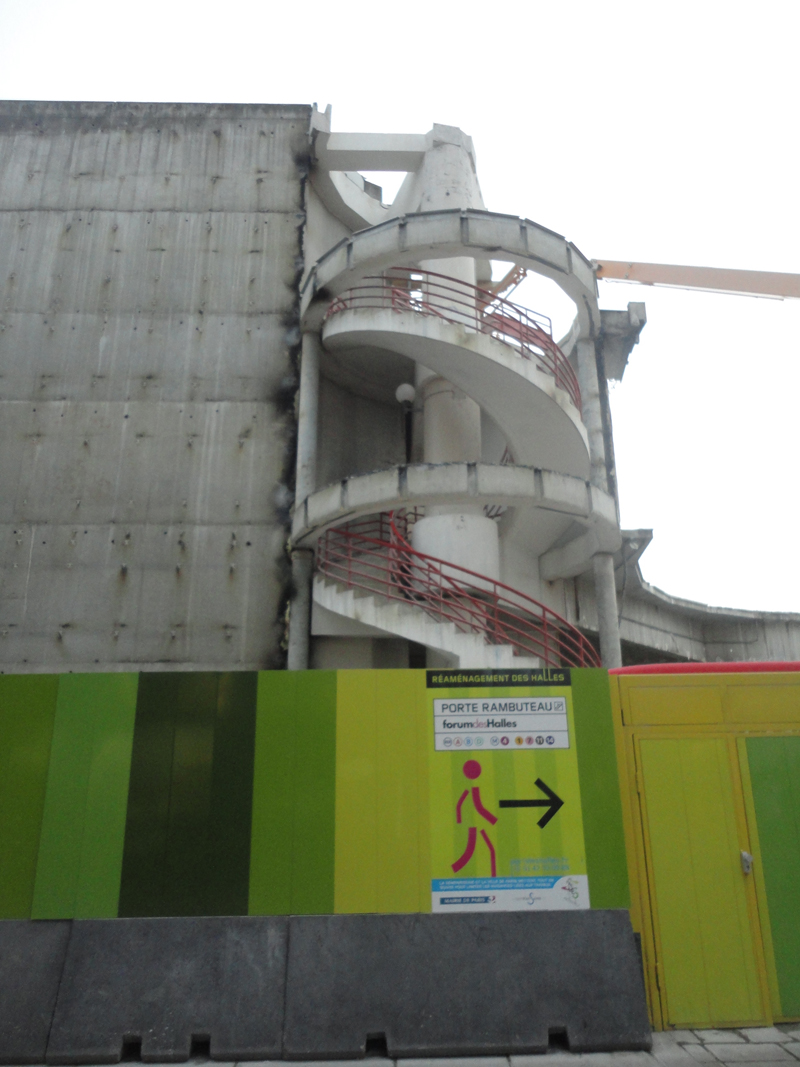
(764, 1046)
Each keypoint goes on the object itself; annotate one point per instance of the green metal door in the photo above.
(775, 781)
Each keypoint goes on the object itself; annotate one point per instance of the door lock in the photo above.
(747, 862)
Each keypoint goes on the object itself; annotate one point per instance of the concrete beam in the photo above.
(371, 151)
(619, 332)
(344, 196)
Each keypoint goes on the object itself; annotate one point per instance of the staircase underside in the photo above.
(411, 622)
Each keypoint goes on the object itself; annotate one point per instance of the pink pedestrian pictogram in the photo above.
(472, 770)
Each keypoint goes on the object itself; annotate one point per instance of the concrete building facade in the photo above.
(151, 257)
(250, 412)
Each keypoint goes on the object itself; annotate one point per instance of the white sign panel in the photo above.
(570, 893)
(500, 723)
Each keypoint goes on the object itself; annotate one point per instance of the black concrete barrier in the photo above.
(463, 985)
(31, 962)
(319, 987)
(158, 989)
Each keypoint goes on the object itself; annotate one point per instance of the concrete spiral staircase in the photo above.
(369, 572)
(368, 567)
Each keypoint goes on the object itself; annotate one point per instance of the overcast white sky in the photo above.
(654, 131)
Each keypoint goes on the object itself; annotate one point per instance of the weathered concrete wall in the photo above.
(149, 258)
(356, 434)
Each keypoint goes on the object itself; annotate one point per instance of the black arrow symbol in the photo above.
(554, 803)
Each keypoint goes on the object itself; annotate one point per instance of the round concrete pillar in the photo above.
(466, 538)
(451, 424)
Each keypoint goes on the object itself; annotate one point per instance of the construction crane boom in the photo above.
(712, 279)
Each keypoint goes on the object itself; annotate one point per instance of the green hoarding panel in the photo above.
(83, 825)
(606, 861)
(188, 830)
(775, 776)
(27, 711)
(192, 701)
(147, 825)
(232, 793)
(294, 787)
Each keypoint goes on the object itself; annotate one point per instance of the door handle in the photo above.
(747, 862)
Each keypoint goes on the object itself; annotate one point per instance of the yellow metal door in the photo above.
(706, 934)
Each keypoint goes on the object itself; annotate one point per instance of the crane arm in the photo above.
(714, 279)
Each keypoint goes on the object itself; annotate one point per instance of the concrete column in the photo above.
(467, 538)
(605, 592)
(305, 484)
(605, 589)
(452, 434)
(300, 610)
(451, 424)
(592, 411)
(307, 418)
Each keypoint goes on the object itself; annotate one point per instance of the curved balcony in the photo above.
(448, 234)
(554, 509)
(427, 293)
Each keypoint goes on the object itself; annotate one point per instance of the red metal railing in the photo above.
(427, 293)
(374, 555)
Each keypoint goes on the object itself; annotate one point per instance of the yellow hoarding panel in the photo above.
(759, 702)
(703, 911)
(382, 854)
(671, 704)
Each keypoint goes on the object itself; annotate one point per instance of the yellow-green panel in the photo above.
(292, 841)
(403, 840)
(763, 702)
(27, 711)
(671, 703)
(356, 864)
(83, 826)
(706, 940)
(382, 852)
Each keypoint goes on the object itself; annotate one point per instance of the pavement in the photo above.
(763, 1046)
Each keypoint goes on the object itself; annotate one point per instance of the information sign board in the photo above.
(506, 824)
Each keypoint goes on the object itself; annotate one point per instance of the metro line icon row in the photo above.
(500, 723)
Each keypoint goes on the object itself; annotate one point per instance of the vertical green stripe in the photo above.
(294, 785)
(232, 794)
(187, 837)
(27, 711)
(83, 826)
(192, 698)
(147, 826)
(775, 777)
(601, 803)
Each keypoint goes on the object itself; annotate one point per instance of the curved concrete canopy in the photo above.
(541, 424)
(583, 506)
(406, 240)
